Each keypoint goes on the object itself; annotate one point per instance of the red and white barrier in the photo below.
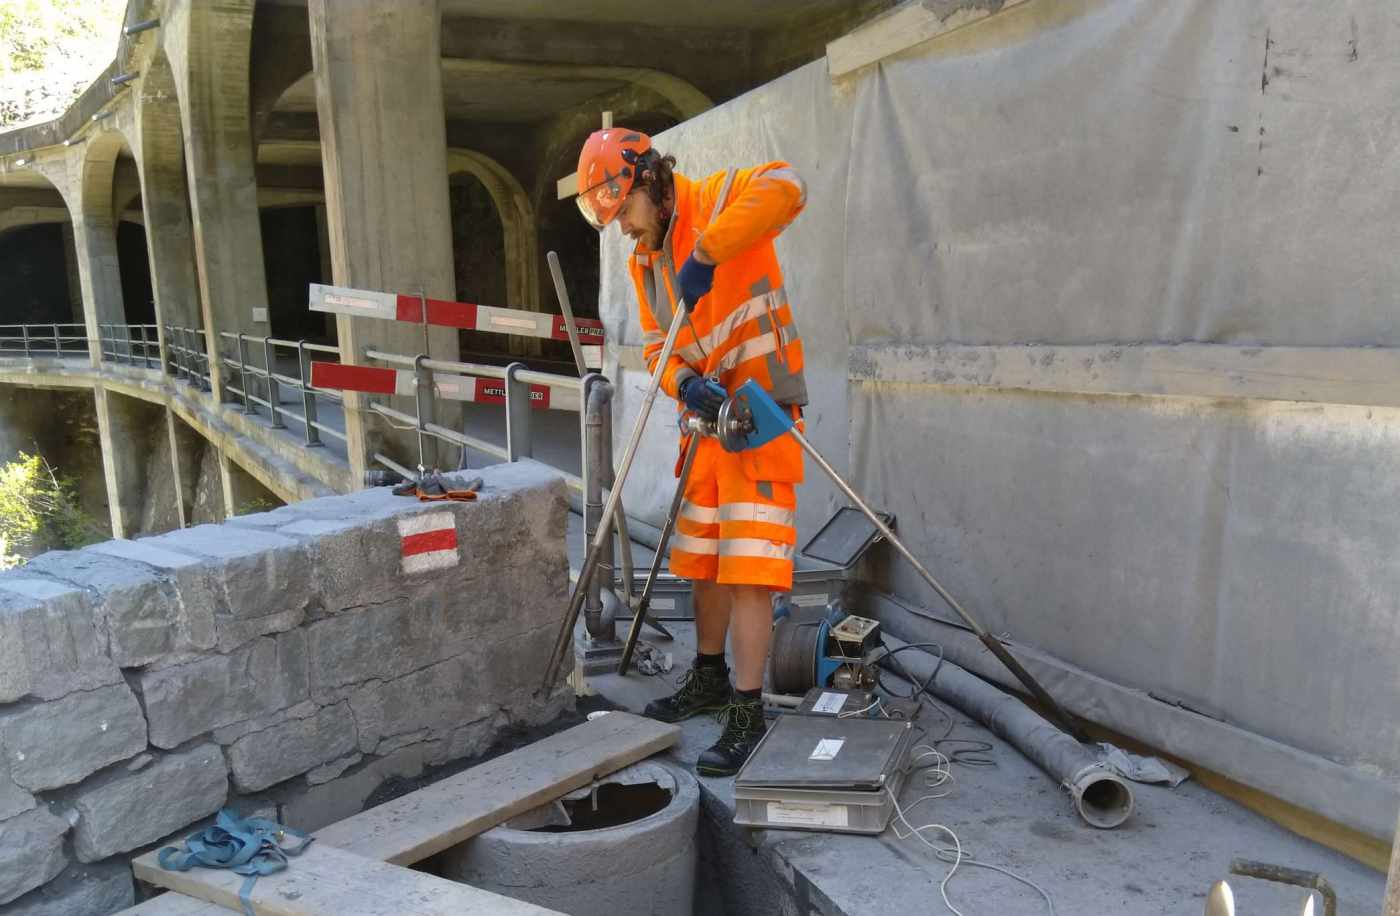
(467, 316)
(378, 380)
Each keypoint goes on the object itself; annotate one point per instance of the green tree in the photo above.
(39, 511)
(50, 51)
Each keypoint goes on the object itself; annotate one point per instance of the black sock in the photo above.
(710, 661)
(756, 694)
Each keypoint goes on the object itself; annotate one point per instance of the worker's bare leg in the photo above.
(712, 612)
(705, 687)
(751, 621)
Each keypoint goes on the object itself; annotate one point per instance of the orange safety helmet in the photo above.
(607, 167)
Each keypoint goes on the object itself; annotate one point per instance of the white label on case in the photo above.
(807, 814)
(809, 600)
(827, 749)
(829, 703)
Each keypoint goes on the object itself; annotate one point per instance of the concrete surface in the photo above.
(1163, 860)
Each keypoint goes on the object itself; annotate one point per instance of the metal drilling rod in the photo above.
(990, 641)
(566, 629)
(567, 308)
(640, 612)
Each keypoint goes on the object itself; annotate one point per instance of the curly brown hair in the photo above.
(654, 175)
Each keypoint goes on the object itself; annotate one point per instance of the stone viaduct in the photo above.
(234, 152)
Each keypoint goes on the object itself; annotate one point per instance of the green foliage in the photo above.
(50, 51)
(39, 511)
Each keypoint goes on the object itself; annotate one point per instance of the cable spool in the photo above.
(794, 655)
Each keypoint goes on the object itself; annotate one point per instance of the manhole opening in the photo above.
(610, 805)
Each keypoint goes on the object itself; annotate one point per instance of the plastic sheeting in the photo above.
(1108, 173)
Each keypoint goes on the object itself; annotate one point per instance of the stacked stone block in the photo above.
(284, 664)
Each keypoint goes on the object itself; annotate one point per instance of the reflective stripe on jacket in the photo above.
(743, 329)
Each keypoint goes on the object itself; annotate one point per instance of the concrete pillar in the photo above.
(122, 430)
(165, 203)
(1392, 884)
(384, 155)
(99, 274)
(243, 494)
(208, 45)
(75, 283)
(179, 462)
(323, 245)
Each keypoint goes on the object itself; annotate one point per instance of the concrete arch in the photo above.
(517, 220)
(208, 46)
(165, 196)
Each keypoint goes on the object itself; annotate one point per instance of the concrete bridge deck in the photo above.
(1012, 815)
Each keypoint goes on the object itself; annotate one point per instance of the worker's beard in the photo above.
(656, 234)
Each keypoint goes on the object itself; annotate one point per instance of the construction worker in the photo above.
(735, 533)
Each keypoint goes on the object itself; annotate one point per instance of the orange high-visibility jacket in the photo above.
(743, 328)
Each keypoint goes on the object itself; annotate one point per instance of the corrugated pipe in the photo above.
(1100, 796)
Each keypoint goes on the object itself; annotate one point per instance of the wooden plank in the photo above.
(1368, 376)
(567, 186)
(898, 30)
(325, 881)
(411, 828)
(173, 903)
(417, 825)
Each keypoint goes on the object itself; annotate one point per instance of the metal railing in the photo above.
(186, 358)
(132, 344)
(31, 340)
(263, 385)
(432, 376)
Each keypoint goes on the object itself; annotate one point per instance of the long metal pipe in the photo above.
(644, 601)
(993, 644)
(566, 628)
(1100, 796)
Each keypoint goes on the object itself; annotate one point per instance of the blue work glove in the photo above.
(704, 396)
(695, 280)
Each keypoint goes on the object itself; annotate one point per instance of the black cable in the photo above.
(972, 754)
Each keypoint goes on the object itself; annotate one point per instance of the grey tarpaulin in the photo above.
(1108, 176)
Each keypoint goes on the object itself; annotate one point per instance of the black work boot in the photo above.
(704, 688)
(743, 728)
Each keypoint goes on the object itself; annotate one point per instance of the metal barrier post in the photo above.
(145, 348)
(243, 373)
(24, 334)
(274, 397)
(423, 413)
(57, 343)
(308, 396)
(518, 440)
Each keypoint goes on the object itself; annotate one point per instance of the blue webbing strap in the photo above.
(252, 846)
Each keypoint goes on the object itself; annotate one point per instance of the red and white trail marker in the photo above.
(429, 541)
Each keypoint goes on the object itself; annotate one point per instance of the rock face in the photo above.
(127, 810)
(56, 744)
(31, 851)
(283, 664)
(81, 890)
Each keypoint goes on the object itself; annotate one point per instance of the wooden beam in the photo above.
(1367, 376)
(567, 186)
(415, 826)
(325, 881)
(902, 28)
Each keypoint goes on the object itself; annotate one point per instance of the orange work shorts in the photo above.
(737, 524)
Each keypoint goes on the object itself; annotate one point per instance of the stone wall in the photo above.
(285, 663)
